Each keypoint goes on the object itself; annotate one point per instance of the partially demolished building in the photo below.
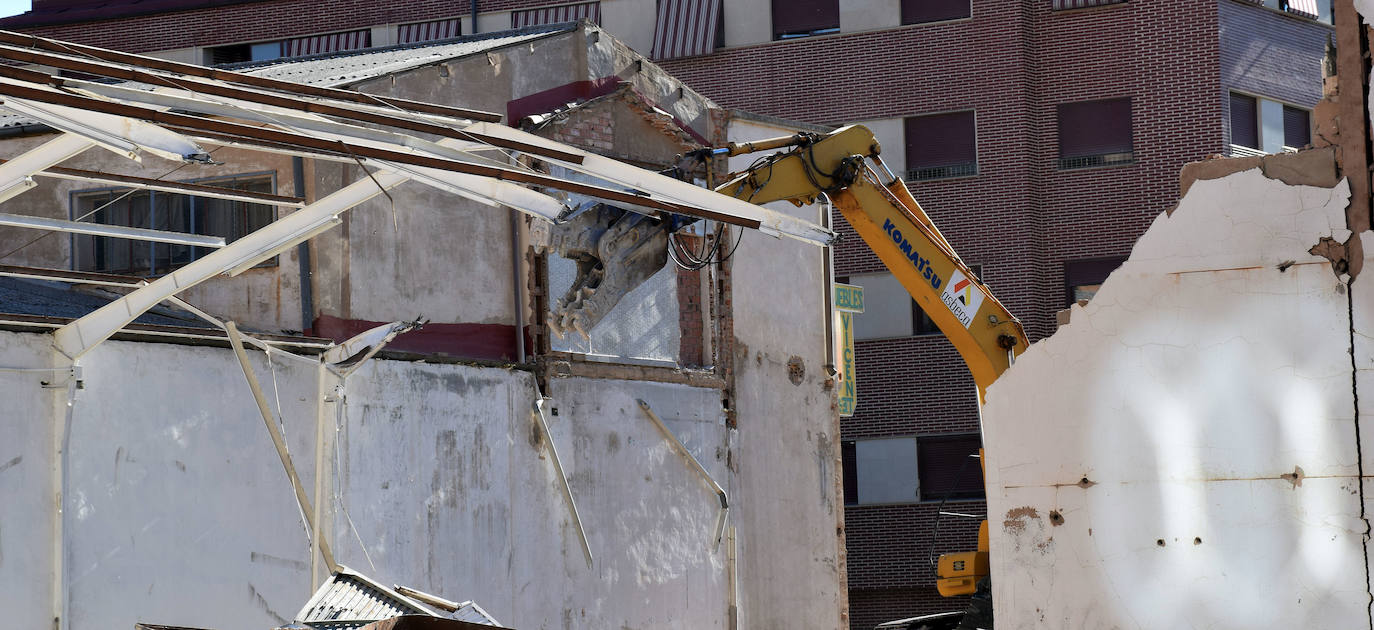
(482, 456)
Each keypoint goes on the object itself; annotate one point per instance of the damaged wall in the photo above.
(1186, 451)
(178, 511)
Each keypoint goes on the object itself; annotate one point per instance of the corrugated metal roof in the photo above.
(24, 296)
(351, 600)
(338, 69)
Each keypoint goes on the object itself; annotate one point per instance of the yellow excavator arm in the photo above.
(887, 217)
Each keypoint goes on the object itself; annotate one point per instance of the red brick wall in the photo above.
(260, 21)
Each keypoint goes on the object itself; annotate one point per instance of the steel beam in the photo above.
(117, 133)
(115, 231)
(80, 336)
(672, 191)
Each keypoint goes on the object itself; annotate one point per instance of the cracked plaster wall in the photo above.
(1186, 451)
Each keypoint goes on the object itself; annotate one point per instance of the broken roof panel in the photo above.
(334, 70)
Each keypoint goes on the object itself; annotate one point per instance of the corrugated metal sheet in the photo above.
(350, 600)
(346, 68)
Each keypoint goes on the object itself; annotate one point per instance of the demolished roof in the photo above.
(179, 108)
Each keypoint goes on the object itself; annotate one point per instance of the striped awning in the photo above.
(323, 44)
(429, 31)
(1079, 4)
(686, 28)
(554, 15)
(1303, 7)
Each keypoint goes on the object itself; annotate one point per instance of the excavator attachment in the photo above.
(615, 250)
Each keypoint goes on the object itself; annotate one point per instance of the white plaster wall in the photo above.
(27, 423)
(1198, 377)
(891, 136)
(788, 480)
(177, 508)
(178, 511)
(748, 22)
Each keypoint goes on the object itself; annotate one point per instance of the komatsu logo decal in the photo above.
(962, 298)
(921, 264)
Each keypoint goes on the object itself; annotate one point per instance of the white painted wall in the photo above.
(1197, 377)
(632, 22)
(788, 485)
(178, 511)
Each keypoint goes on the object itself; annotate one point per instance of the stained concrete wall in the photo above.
(791, 514)
(435, 476)
(1186, 451)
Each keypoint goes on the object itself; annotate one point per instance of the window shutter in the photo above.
(1245, 121)
(946, 468)
(1095, 128)
(919, 11)
(941, 145)
(1297, 127)
(804, 16)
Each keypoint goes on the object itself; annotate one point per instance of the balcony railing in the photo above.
(1094, 161)
(942, 172)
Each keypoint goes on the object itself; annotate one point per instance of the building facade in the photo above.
(1043, 137)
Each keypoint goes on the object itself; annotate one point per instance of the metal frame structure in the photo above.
(172, 110)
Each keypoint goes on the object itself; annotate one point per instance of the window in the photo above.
(326, 44)
(239, 53)
(889, 310)
(799, 18)
(880, 471)
(687, 28)
(1245, 121)
(1260, 125)
(1082, 278)
(921, 11)
(948, 468)
(1095, 133)
(1059, 5)
(939, 146)
(911, 469)
(164, 211)
(1297, 127)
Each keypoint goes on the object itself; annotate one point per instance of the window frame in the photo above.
(849, 461)
(1231, 97)
(953, 172)
(949, 496)
(1086, 161)
(153, 270)
(1057, 5)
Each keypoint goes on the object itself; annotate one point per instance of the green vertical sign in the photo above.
(849, 299)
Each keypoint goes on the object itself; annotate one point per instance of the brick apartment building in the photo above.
(1043, 136)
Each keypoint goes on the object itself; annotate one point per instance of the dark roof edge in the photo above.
(545, 29)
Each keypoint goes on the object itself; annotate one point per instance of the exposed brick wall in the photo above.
(1269, 53)
(251, 22)
(261, 21)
